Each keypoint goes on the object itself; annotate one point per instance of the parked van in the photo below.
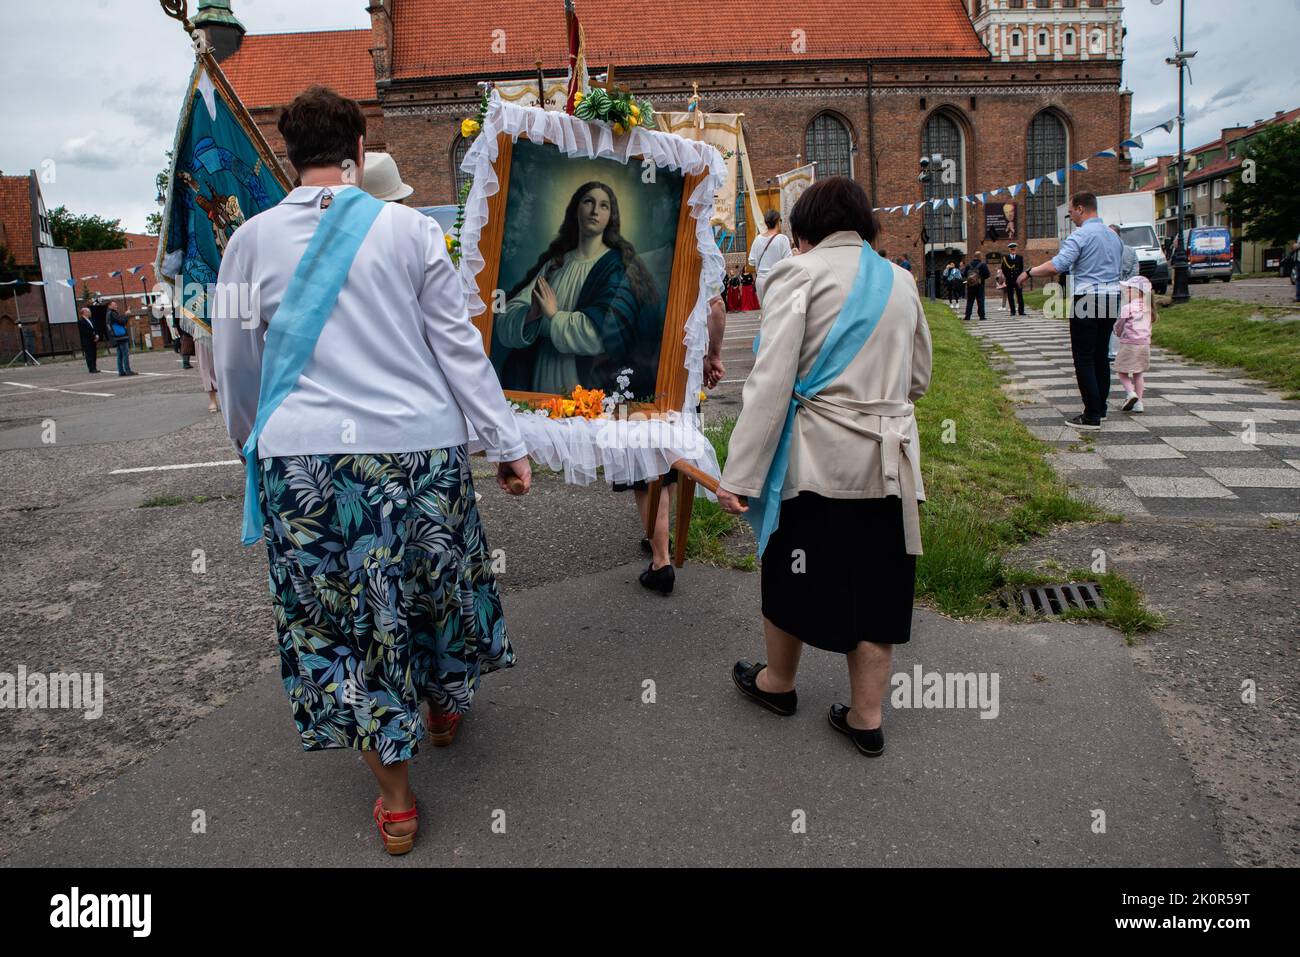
(1209, 253)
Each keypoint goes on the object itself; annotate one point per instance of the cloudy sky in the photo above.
(92, 88)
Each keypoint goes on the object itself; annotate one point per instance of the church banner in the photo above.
(526, 92)
(792, 185)
(223, 173)
(725, 132)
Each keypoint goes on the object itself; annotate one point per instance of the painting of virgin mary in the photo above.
(586, 310)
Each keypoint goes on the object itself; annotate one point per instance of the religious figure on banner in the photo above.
(1012, 228)
(586, 309)
(222, 174)
(592, 303)
(223, 211)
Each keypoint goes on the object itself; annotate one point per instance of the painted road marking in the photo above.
(39, 388)
(170, 468)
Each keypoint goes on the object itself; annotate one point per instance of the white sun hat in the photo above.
(381, 179)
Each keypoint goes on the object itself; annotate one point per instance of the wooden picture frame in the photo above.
(682, 294)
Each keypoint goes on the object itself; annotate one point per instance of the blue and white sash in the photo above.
(853, 327)
(307, 304)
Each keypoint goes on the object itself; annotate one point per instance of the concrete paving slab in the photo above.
(1171, 421)
(1121, 500)
(1149, 486)
(1150, 450)
(1256, 478)
(1234, 416)
(585, 773)
(1209, 443)
(1078, 460)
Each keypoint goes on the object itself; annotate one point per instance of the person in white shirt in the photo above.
(768, 249)
(380, 572)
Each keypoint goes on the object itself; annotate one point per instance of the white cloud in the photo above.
(91, 151)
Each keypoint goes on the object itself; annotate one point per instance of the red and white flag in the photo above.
(577, 57)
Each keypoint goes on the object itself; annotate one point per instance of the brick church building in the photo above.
(1007, 89)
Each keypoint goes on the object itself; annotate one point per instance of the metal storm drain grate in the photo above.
(1058, 599)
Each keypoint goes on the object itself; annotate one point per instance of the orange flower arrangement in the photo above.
(588, 402)
(584, 403)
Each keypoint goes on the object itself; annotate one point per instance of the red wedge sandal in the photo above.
(442, 729)
(396, 843)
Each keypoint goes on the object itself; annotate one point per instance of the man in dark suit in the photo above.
(89, 338)
(1013, 264)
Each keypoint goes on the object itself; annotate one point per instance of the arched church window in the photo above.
(1047, 146)
(827, 143)
(943, 135)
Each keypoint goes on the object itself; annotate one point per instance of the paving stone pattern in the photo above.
(1210, 444)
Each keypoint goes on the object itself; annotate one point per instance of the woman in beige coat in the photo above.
(825, 458)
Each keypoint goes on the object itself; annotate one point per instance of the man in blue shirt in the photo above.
(1094, 256)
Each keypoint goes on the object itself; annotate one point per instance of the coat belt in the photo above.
(895, 449)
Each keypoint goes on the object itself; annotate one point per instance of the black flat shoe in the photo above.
(745, 676)
(659, 579)
(871, 743)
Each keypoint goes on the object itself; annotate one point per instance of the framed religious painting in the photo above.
(591, 270)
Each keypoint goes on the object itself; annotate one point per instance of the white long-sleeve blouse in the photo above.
(398, 367)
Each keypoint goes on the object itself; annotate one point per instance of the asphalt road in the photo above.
(584, 771)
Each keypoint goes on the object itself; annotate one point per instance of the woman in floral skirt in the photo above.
(347, 380)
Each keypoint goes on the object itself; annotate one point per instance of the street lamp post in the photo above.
(1179, 264)
(928, 164)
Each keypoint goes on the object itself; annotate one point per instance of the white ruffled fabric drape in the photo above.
(634, 449)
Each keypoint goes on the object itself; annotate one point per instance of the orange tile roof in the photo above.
(270, 69)
(101, 262)
(441, 38)
(16, 217)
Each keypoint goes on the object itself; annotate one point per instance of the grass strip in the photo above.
(988, 485)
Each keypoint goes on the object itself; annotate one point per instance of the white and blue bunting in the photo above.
(1056, 178)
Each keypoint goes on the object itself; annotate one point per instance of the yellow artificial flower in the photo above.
(577, 98)
(619, 129)
(450, 242)
(469, 126)
(704, 396)
(636, 112)
(568, 407)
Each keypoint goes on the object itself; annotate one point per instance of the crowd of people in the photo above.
(824, 459)
(825, 456)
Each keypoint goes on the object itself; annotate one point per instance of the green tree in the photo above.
(85, 232)
(1266, 198)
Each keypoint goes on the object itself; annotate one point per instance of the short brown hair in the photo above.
(1086, 200)
(832, 205)
(320, 128)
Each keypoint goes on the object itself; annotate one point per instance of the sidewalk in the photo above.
(1209, 445)
(586, 773)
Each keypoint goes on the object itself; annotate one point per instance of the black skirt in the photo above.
(836, 572)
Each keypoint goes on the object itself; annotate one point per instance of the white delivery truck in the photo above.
(1135, 215)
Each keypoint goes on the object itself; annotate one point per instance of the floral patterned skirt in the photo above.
(383, 592)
